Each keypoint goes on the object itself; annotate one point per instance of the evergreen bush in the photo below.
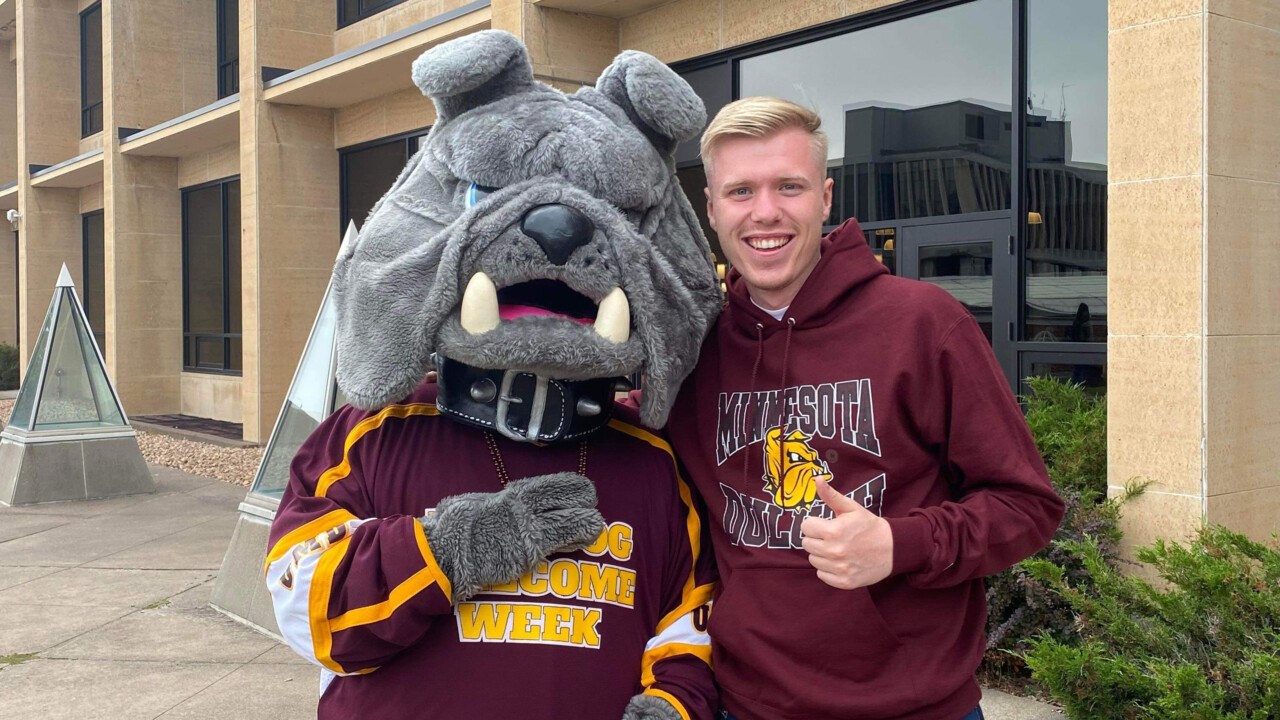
(8, 367)
(1069, 425)
(1204, 646)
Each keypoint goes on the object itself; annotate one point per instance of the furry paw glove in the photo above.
(648, 707)
(482, 539)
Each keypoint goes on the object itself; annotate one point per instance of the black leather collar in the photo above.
(504, 400)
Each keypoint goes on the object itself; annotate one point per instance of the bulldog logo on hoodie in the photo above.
(792, 469)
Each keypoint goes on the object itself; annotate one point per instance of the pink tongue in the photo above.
(511, 312)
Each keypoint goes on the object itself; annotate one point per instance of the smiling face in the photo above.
(767, 199)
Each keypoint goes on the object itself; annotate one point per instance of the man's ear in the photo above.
(655, 98)
(473, 70)
(711, 215)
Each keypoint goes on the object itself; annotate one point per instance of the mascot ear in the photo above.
(656, 99)
(473, 70)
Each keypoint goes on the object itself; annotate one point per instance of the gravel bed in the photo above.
(228, 464)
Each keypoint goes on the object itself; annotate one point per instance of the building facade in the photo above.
(1096, 180)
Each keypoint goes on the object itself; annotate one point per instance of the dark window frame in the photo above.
(1017, 214)
(87, 127)
(226, 335)
(412, 145)
(365, 9)
(86, 284)
(228, 65)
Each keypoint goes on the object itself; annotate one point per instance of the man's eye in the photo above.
(478, 192)
(739, 192)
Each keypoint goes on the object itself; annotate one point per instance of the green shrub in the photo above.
(1205, 646)
(8, 367)
(1069, 425)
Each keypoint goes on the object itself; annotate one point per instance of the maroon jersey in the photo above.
(357, 589)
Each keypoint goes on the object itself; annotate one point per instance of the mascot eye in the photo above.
(478, 192)
(795, 457)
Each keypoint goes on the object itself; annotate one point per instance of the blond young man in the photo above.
(863, 459)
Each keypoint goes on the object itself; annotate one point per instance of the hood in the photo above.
(846, 265)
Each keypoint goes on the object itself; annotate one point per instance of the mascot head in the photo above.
(536, 251)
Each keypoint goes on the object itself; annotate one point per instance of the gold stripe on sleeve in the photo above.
(321, 588)
(369, 424)
(402, 593)
(324, 523)
(679, 706)
(691, 592)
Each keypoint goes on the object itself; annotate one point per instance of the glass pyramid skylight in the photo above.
(66, 385)
(312, 397)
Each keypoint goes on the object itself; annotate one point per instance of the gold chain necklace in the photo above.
(501, 467)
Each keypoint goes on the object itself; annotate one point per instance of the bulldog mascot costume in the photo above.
(508, 542)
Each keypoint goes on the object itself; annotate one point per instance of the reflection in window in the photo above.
(94, 288)
(368, 171)
(913, 134)
(1066, 146)
(1089, 370)
(883, 244)
(964, 270)
(211, 278)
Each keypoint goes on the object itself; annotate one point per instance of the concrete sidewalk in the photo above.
(104, 615)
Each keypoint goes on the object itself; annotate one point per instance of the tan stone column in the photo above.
(142, 208)
(1242, 266)
(289, 202)
(48, 115)
(1194, 200)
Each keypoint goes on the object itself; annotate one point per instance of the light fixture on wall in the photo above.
(13, 216)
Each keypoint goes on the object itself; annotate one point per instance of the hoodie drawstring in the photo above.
(751, 395)
(782, 389)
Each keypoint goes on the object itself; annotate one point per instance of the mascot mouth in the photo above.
(484, 306)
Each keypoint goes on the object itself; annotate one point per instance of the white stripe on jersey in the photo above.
(293, 606)
(683, 630)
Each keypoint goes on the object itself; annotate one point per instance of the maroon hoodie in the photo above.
(888, 387)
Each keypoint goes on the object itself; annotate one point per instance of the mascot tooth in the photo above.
(613, 317)
(479, 312)
(509, 541)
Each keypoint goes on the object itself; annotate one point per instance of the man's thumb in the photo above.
(834, 500)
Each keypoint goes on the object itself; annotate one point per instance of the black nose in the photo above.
(559, 230)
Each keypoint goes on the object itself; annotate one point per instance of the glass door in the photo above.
(971, 261)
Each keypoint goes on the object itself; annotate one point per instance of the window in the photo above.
(932, 153)
(1066, 178)
(902, 125)
(211, 277)
(94, 285)
(367, 172)
(350, 11)
(228, 48)
(91, 70)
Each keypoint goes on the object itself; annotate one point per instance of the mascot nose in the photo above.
(558, 229)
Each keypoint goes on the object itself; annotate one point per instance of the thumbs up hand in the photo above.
(852, 550)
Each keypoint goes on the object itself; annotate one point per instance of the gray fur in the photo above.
(606, 152)
(482, 539)
(648, 707)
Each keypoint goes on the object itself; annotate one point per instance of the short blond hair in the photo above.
(761, 117)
